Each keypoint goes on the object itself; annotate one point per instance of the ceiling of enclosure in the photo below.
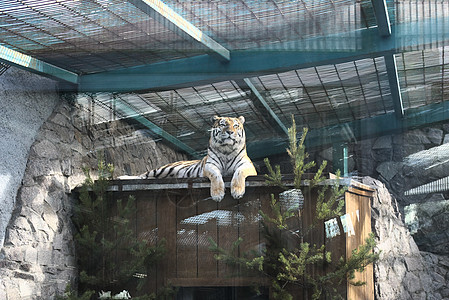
(346, 69)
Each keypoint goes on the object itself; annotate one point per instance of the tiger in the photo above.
(226, 156)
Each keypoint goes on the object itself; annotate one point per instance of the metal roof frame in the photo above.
(130, 111)
(261, 104)
(382, 18)
(364, 113)
(161, 12)
(390, 62)
(366, 128)
(384, 27)
(202, 69)
(26, 62)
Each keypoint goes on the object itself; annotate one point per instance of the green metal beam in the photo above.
(129, 111)
(365, 43)
(340, 158)
(393, 79)
(361, 129)
(262, 106)
(29, 63)
(159, 11)
(384, 27)
(383, 20)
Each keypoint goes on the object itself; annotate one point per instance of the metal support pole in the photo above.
(340, 158)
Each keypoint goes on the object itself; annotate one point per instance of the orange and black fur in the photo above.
(226, 156)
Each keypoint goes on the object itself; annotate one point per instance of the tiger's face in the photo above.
(228, 131)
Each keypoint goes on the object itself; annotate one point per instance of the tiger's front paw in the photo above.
(217, 192)
(237, 189)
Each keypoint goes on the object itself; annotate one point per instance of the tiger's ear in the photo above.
(214, 118)
(242, 119)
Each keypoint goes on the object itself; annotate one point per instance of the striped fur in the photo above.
(226, 156)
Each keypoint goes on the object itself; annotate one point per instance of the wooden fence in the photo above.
(181, 213)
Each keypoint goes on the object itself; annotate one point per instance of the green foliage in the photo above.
(287, 264)
(109, 255)
(280, 216)
(330, 205)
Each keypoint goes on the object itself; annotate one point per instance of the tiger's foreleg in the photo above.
(217, 188)
(238, 179)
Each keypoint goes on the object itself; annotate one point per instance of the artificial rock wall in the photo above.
(38, 258)
(26, 101)
(403, 272)
(407, 161)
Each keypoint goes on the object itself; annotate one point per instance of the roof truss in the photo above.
(130, 111)
(393, 79)
(364, 128)
(23, 61)
(203, 69)
(384, 27)
(383, 20)
(159, 11)
(261, 104)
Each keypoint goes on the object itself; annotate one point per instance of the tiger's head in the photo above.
(227, 133)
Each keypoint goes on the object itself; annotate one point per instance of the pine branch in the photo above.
(274, 178)
(109, 251)
(285, 265)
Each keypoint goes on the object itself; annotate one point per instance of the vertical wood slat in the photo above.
(336, 245)
(249, 227)
(227, 233)
(315, 236)
(207, 264)
(186, 240)
(146, 223)
(362, 227)
(166, 221)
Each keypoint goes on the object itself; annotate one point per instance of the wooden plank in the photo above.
(359, 209)
(249, 230)
(365, 204)
(227, 231)
(314, 236)
(207, 264)
(202, 182)
(31, 64)
(336, 245)
(357, 191)
(187, 238)
(166, 222)
(353, 240)
(146, 223)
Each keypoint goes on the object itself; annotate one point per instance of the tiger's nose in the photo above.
(229, 132)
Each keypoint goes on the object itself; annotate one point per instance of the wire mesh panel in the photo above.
(423, 76)
(3, 68)
(250, 24)
(330, 94)
(89, 36)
